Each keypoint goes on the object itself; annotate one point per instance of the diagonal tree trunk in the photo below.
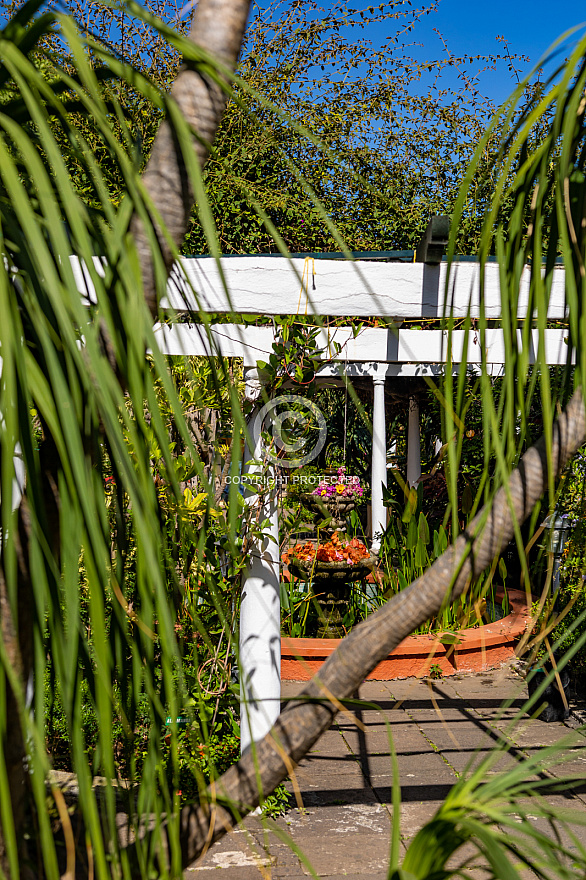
(302, 723)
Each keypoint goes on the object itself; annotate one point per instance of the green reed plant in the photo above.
(409, 547)
(81, 364)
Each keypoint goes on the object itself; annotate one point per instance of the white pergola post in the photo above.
(19, 477)
(413, 443)
(260, 610)
(19, 471)
(379, 462)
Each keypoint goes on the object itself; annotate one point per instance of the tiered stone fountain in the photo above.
(331, 579)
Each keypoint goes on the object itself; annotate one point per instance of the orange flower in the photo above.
(334, 550)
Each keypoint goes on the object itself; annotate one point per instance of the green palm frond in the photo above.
(506, 816)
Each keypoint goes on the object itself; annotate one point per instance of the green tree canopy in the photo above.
(391, 132)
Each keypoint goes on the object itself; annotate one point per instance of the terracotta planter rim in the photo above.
(476, 648)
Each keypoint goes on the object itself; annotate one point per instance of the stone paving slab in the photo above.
(324, 765)
(407, 738)
(351, 777)
(431, 715)
(573, 837)
(346, 782)
(576, 766)
(468, 760)
(374, 719)
(330, 744)
(531, 733)
(416, 769)
(406, 689)
(419, 792)
(413, 815)
(461, 734)
(236, 855)
(351, 838)
(338, 795)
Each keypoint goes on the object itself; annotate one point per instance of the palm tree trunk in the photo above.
(218, 26)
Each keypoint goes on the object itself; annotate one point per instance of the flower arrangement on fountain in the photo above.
(337, 549)
(344, 487)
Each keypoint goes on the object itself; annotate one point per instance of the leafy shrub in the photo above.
(571, 602)
(199, 760)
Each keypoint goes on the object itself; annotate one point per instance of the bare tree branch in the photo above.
(218, 26)
(302, 723)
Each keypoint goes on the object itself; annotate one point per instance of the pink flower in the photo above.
(344, 487)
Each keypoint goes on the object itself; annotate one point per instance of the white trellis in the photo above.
(273, 286)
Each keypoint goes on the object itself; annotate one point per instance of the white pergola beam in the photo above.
(333, 374)
(372, 345)
(277, 286)
(273, 285)
(228, 340)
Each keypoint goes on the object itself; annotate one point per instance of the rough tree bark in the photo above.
(218, 26)
(302, 723)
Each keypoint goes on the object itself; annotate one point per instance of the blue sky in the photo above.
(472, 26)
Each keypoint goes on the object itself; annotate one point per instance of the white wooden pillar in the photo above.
(413, 443)
(260, 609)
(19, 476)
(19, 472)
(17, 483)
(379, 462)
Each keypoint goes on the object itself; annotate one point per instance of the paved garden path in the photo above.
(345, 782)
